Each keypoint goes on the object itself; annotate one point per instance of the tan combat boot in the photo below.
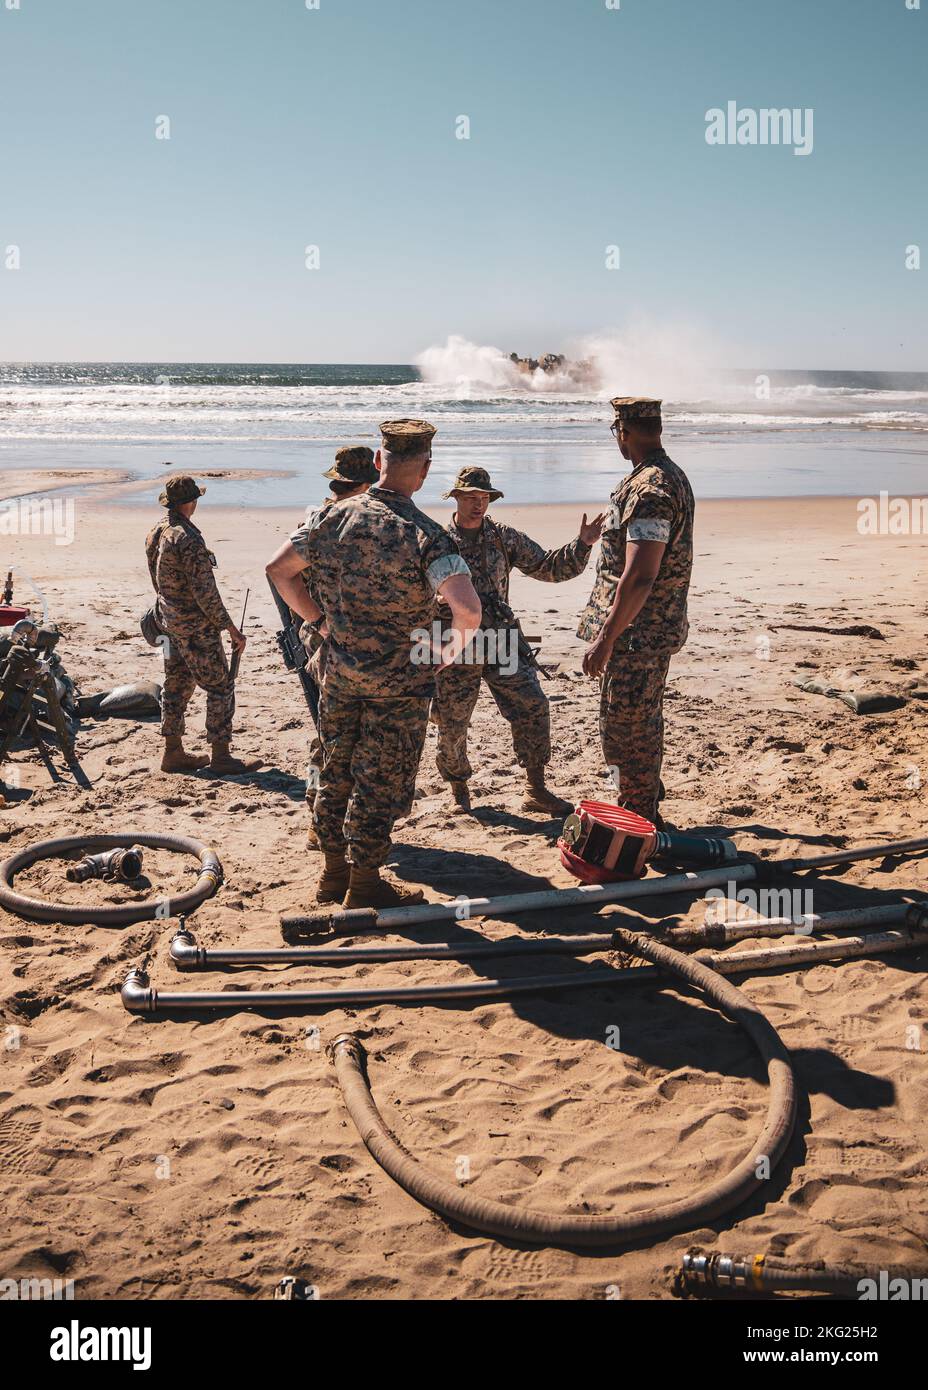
(333, 885)
(176, 760)
(461, 794)
(222, 760)
(538, 797)
(367, 889)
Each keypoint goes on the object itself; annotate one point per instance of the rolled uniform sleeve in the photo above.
(650, 516)
(441, 559)
(550, 566)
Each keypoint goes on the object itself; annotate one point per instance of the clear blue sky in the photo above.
(336, 127)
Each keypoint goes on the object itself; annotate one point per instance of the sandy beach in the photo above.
(206, 1158)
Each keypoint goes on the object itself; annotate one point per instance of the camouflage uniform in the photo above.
(491, 553)
(655, 502)
(193, 615)
(309, 634)
(375, 563)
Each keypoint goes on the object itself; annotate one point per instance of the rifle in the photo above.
(236, 661)
(294, 653)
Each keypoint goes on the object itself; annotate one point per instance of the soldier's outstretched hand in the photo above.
(590, 531)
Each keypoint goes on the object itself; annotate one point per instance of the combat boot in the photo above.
(367, 889)
(312, 839)
(538, 797)
(175, 759)
(333, 885)
(461, 793)
(223, 762)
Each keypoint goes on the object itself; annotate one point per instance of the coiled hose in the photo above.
(498, 1219)
(125, 914)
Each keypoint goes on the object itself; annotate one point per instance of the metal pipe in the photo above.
(809, 924)
(549, 1228)
(139, 997)
(187, 954)
(364, 919)
(765, 1273)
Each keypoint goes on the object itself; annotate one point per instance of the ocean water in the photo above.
(738, 433)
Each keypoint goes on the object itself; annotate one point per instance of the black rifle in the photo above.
(294, 653)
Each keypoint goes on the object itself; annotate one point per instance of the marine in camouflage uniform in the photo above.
(492, 550)
(350, 476)
(192, 616)
(375, 564)
(653, 504)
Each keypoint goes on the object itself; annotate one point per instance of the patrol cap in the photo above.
(183, 488)
(354, 464)
(474, 480)
(407, 436)
(629, 409)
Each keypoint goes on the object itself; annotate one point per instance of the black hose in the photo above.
(36, 910)
(480, 1213)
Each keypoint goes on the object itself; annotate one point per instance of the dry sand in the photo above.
(206, 1158)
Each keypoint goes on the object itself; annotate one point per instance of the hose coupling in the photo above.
(345, 1042)
(209, 864)
(114, 865)
(917, 916)
(722, 1271)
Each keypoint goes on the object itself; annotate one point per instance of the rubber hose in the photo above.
(34, 909)
(498, 1219)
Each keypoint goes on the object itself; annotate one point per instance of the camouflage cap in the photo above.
(353, 465)
(474, 480)
(183, 488)
(630, 408)
(407, 436)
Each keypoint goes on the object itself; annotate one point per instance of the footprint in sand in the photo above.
(18, 1134)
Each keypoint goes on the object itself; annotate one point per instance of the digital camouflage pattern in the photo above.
(474, 480)
(197, 659)
(491, 553)
(192, 615)
(310, 635)
(629, 408)
(631, 726)
(654, 503)
(375, 564)
(519, 699)
(370, 756)
(181, 570)
(406, 436)
(353, 464)
(496, 549)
